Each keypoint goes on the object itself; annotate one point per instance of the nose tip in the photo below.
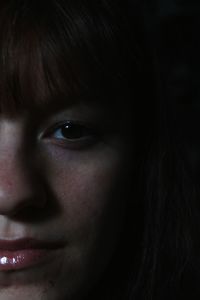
(17, 189)
(12, 195)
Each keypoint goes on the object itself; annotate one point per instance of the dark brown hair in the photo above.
(64, 50)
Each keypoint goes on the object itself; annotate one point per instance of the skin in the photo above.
(63, 190)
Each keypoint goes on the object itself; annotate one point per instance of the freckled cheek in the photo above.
(82, 185)
(83, 188)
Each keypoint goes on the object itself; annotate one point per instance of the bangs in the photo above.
(60, 52)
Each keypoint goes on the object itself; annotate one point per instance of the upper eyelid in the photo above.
(57, 125)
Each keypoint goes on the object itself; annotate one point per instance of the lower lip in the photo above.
(22, 259)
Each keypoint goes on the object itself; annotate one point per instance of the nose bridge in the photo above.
(15, 183)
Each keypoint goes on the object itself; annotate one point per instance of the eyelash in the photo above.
(79, 135)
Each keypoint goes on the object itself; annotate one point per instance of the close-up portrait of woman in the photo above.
(90, 203)
(75, 127)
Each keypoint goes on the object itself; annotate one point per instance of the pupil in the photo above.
(72, 131)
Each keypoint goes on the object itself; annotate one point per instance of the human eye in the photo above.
(71, 134)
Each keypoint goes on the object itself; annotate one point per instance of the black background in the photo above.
(176, 25)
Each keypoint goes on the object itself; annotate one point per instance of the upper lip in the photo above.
(28, 243)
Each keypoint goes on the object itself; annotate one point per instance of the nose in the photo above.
(17, 189)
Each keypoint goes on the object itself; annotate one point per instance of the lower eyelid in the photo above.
(73, 144)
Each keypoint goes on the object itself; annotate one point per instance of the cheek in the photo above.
(84, 186)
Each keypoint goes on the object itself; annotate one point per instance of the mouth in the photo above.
(24, 253)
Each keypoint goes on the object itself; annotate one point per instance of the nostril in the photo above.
(27, 209)
(33, 209)
(19, 192)
(15, 204)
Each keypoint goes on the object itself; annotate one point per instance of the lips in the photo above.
(25, 253)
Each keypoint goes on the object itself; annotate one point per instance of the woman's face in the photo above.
(61, 173)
